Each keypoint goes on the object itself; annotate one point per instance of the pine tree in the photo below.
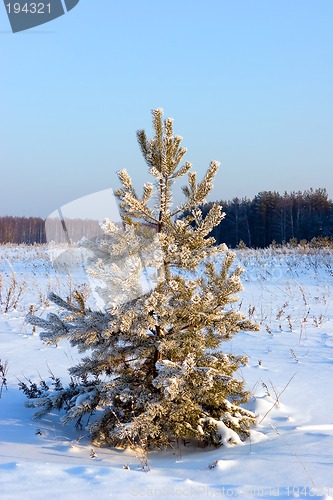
(153, 369)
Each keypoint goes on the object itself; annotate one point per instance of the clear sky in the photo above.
(248, 83)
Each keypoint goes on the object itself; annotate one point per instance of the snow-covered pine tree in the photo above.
(153, 369)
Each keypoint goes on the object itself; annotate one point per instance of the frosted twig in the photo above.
(277, 400)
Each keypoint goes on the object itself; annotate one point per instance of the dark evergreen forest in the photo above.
(274, 218)
(268, 218)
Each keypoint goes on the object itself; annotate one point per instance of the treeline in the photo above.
(271, 217)
(71, 230)
(31, 230)
(27, 230)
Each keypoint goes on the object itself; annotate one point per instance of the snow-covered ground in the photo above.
(290, 373)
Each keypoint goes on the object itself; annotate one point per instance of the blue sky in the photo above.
(248, 83)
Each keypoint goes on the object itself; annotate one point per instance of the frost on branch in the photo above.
(152, 368)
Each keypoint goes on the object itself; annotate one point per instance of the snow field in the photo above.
(289, 372)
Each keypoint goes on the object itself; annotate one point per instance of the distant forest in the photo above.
(22, 230)
(269, 217)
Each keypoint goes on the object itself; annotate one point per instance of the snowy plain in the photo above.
(289, 372)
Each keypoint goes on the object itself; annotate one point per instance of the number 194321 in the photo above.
(29, 8)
